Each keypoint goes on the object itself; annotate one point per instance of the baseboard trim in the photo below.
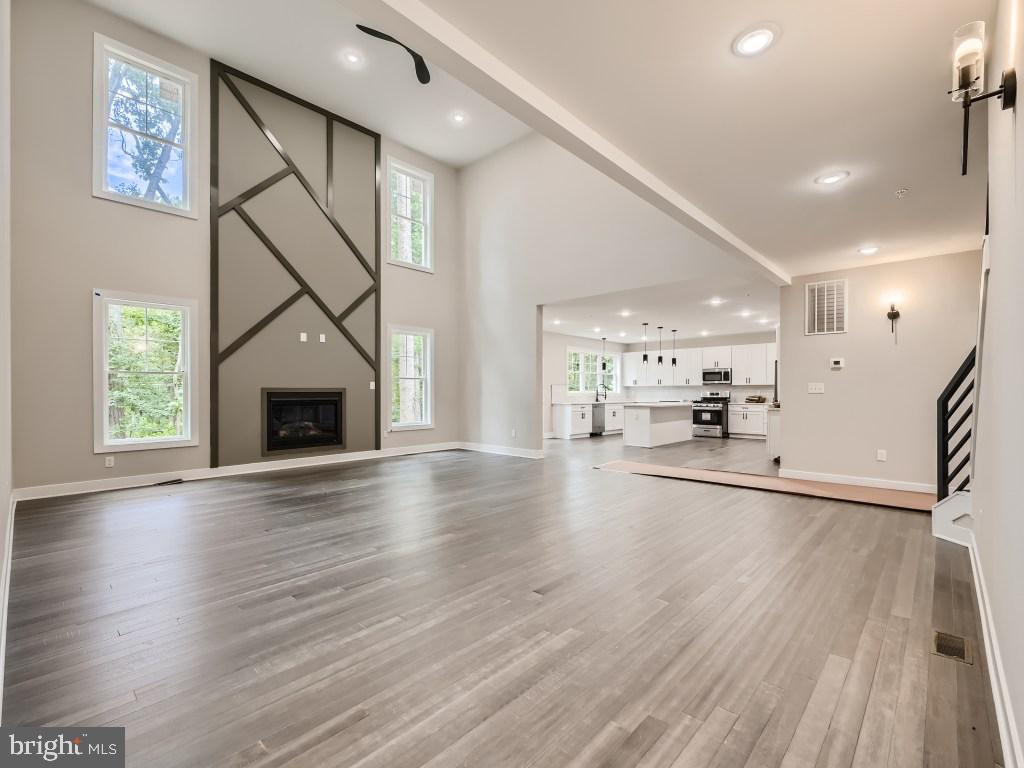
(1009, 737)
(549, 435)
(871, 482)
(203, 473)
(504, 450)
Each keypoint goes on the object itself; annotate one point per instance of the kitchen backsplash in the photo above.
(654, 394)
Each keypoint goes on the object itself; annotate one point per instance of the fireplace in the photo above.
(303, 419)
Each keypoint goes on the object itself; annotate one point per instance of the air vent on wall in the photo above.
(826, 307)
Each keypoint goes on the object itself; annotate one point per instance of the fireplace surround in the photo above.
(302, 420)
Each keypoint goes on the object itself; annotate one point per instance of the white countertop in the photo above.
(683, 404)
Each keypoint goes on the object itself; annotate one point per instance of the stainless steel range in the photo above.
(711, 415)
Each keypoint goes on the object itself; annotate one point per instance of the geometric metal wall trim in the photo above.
(223, 77)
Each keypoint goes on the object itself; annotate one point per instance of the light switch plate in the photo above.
(881, 455)
(108, 461)
(303, 336)
(816, 388)
(323, 338)
(373, 385)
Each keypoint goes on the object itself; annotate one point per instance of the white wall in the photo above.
(67, 243)
(885, 396)
(555, 373)
(5, 310)
(541, 226)
(424, 300)
(996, 490)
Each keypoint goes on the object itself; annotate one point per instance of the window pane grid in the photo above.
(409, 218)
(409, 379)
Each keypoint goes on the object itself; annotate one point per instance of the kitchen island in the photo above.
(649, 425)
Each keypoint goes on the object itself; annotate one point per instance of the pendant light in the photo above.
(660, 358)
(604, 360)
(644, 359)
(674, 331)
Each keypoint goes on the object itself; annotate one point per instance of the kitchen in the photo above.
(647, 385)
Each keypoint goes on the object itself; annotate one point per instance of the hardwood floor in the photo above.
(461, 609)
(736, 454)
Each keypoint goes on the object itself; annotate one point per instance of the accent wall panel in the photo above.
(295, 252)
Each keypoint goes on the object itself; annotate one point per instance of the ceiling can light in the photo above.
(352, 59)
(755, 40)
(832, 177)
(703, 333)
(557, 321)
(715, 301)
(868, 250)
(458, 117)
(745, 313)
(625, 313)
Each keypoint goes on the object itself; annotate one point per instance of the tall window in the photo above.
(584, 374)
(145, 358)
(411, 378)
(411, 196)
(144, 122)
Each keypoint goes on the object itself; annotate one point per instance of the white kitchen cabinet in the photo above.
(749, 364)
(716, 357)
(748, 420)
(659, 375)
(631, 369)
(572, 420)
(774, 433)
(689, 363)
(613, 417)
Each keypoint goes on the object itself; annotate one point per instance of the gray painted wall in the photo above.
(252, 281)
(885, 396)
(66, 243)
(5, 296)
(996, 490)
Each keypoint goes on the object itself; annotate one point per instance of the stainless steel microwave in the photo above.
(717, 376)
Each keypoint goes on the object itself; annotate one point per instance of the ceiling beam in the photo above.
(421, 28)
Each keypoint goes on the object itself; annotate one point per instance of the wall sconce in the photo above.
(969, 78)
(893, 314)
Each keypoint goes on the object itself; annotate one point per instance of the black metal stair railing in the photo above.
(955, 408)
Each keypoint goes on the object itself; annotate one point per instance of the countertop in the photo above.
(682, 404)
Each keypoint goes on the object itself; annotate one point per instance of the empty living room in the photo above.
(442, 383)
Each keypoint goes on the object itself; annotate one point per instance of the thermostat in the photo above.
(836, 363)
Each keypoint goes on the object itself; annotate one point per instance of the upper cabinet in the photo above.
(716, 357)
(749, 364)
(689, 363)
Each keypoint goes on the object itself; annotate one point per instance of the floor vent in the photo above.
(953, 647)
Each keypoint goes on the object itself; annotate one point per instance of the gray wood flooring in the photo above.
(459, 609)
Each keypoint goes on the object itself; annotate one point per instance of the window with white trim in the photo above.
(412, 369)
(145, 352)
(144, 121)
(411, 206)
(584, 372)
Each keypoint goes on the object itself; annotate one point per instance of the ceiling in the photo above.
(299, 47)
(746, 307)
(849, 84)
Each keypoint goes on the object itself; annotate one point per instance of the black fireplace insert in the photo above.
(296, 419)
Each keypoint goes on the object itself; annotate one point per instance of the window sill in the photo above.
(145, 445)
(186, 213)
(414, 267)
(409, 427)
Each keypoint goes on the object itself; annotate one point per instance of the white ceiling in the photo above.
(852, 84)
(685, 306)
(297, 46)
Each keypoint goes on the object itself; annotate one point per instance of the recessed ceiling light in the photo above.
(703, 333)
(458, 117)
(622, 333)
(625, 313)
(868, 250)
(745, 313)
(763, 321)
(832, 177)
(597, 329)
(557, 322)
(352, 59)
(715, 301)
(756, 40)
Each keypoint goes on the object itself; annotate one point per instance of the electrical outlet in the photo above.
(881, 455)
(373, 385)
(323, 338)
(816, 388)
(303, 336)
(513, 433)
(108, 461)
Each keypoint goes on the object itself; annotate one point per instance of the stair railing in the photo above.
(954, 470)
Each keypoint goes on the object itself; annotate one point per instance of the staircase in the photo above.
(954, 429)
